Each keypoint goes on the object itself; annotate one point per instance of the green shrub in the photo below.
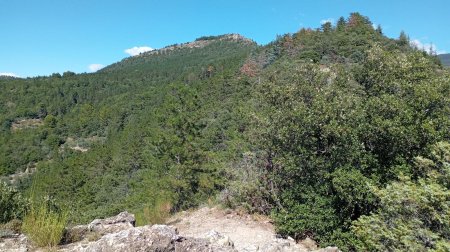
(44, 225)
(246, 187)
(413, 215)
(12, 204)
(314, 218)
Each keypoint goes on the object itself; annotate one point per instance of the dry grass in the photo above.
(157, 214)
(44, 226)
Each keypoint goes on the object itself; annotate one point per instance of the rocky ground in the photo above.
(205, 229)
(248, 232)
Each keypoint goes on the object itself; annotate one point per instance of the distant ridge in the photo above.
(201, 42)
(445, 59)
(222, 44)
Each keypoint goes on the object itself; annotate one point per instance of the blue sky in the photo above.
(40, 37)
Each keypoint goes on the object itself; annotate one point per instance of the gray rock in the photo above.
(328, 249)
(146, 238)
(219, 239)
(99, 227)
(16, 243)
(309, 243)
(251, 248)
(123, 220)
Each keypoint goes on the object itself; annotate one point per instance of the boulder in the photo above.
(146, 238)
(219, 239)
(123, 220)
(99, 227)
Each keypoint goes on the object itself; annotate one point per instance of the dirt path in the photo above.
(247, 232)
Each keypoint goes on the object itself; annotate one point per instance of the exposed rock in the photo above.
(119, 234)
(26, 123)
(15, 177)
(132, 239)
(81, 144)
(282, 245)
(146, 238)
(219, 239)
(309, 243)
(14, 243)
(100, 227)
(124, 220)
(249, 233)
(328, 249)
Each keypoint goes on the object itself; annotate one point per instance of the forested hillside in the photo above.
(127, 139)
(339, 133)
(445, 58)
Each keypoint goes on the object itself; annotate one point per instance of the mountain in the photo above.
(124, 123)
(338, 133)
(445, 58)
(146, 61)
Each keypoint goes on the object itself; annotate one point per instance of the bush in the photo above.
(12, 204)
(155, 213)
(313, 218)
(247, 187)
(44, 225)
(413, 215)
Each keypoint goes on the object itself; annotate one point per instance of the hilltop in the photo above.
(210, 42)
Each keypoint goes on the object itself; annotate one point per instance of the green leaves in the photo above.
(335, 133)
(12, 204)
(413, 215)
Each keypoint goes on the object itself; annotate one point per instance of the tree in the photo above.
(341, 23)
(68, 74)
(403, 39)
(327, 27)
(358, 20)
(379, 30)
(12, 204)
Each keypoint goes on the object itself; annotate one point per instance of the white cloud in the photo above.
(426, 46)
(328, 20)
(10, 75)
(138, 50)
(95, 67)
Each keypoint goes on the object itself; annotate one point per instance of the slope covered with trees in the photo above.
(445, 58)
(154, 137)
(331, 131)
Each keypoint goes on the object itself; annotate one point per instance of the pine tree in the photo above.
(403, 39)
(340, 26)
(327, 27)
(379, 30)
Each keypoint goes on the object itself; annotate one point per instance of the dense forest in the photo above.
(338, 133)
